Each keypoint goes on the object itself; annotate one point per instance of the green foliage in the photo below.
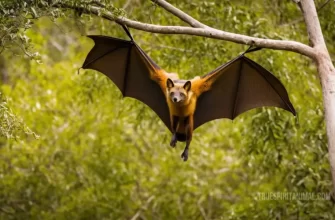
(17, 16)
(103, 157)
(11, 127)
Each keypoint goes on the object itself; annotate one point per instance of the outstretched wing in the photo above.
(131, 70)
(236, 87)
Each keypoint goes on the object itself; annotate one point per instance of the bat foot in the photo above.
(184, 155)
(173, 143)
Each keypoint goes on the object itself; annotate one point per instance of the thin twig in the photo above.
(202, 211)
(301, 19)
(138, 213)
(125, 6)
(180, 14)
(323, 5)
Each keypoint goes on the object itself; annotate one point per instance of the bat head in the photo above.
(178, 91)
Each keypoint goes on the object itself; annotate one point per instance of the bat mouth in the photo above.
(179, 102)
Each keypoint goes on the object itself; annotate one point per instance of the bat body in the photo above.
(184, 105)
(181, 97)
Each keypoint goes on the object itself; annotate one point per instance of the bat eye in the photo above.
(172, 94)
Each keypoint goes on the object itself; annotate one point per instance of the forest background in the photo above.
(72, 148)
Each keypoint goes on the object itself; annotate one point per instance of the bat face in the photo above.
(178, 92)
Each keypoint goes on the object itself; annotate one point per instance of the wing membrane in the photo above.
(130, 69)
(239, 86)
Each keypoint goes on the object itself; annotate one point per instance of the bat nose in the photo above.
(175, 99)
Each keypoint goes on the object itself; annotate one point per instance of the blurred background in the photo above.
(72, 148)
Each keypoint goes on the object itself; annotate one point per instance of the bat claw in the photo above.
(184, 155)
(173, 143)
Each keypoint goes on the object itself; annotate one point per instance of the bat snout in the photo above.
(175, 100)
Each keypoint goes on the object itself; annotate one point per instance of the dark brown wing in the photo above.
(125, 63)
(236, 87)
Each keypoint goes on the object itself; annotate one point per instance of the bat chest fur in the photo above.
(182, 110)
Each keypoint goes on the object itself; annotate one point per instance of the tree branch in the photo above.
(222, 35)
(312, 24)
(180, 14)
(204, 32)
(326, 72)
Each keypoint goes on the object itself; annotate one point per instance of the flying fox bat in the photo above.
(184, 105)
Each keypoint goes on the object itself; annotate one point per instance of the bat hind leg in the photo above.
(173, 140)
(177, 137)
(188, 136)
(184, 155)
(174, 126)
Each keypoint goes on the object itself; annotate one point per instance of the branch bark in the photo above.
(203, 32)
(327, 75)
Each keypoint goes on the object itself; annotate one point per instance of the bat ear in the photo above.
(169, 83)
(187, 86)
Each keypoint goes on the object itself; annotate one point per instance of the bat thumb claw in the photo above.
(78, 70)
